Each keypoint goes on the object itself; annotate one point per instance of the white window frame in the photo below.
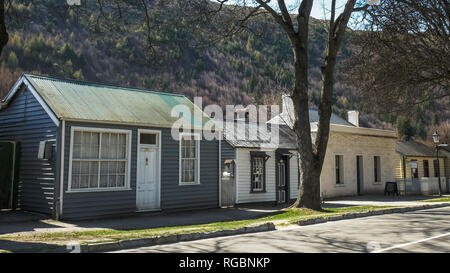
(263, 176)
(197, 151)
(128, 159)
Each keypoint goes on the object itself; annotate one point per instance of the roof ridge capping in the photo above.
(97, 84)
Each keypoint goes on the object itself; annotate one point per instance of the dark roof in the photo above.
(413, 148)
(260, 135)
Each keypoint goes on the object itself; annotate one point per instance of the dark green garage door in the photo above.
(8, 189)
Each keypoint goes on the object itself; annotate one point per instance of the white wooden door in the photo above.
(148, 179)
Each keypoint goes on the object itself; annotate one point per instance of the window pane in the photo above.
(76, 151)
(85, 144)
(84, 167)
(93, 171)
(77, 137)
(121, 167)
(122, 152)
(84, 177)
(105, 145)
(112, 146)
(78, 145)
(104, 174)
(84, 181)
(112, 169)
(75, 181)
(112, 181)
(103, 181)
(338, 162)
(191, 168)
(192, 151)
(75, 175)
(95, 137)
(148, 139)
(120, 180)
(76, 167)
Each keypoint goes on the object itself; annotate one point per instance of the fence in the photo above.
(423, 185)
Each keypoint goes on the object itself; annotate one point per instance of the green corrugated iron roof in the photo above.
(84, 101)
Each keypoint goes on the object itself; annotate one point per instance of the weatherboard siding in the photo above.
(243, 178)
(25, 121)
(173, 196)
(421, 171)
(293, 176)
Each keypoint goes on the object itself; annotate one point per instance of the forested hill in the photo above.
(240, 70)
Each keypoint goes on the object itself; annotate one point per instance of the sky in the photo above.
(318, 11)
(318, 7)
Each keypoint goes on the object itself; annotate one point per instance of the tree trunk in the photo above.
(309, 191)
(309, 194)
(311, 159)
(4, 37)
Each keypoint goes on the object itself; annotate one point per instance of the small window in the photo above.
(148, 139)
(426, 169)
(258, 170)
(189, 163)
(377, 168)
(339, 166)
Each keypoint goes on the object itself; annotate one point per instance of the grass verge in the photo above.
(439, 199)
(283, 217)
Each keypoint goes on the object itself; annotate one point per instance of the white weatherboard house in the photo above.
(254, 172)
(358, 160)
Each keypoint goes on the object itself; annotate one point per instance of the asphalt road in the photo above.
(417, 231)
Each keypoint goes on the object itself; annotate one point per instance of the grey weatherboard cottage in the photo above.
(90, 150)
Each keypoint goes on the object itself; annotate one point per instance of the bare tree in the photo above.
(402, 58)
(4, 36)
(295, 23)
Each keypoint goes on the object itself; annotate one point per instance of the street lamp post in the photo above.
(436, 145)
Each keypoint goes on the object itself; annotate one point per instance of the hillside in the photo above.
(241, 70)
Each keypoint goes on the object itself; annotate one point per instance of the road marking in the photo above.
(411, 243)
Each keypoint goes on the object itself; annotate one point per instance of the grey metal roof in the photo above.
(84, 101)
(413, 148)
(335, 119)
(254, 135)
(284, 118)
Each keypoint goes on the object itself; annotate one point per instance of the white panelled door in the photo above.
(148, 179)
